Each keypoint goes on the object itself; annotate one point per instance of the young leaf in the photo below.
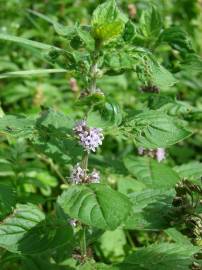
(154, 129)
(151, 173)
(107, 21)
(96, 204)
(163, 256)
(27, 231)
(150, 23)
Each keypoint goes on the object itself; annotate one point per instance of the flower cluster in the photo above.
(158, 153)
(90, 138)
(80, 175)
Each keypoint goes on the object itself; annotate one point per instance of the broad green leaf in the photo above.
(27, 42)
(151, 209)
(96, 205)
(177, 236)
(177, 108)
(151, 173)
(33, 72)
(151, 23)
(192, 62)
(177, 38)
(191, 170)
(113, 250)
(161, 77)
(17, 125)
(163, 256)
(27, 231)
(54, 120)
(107, 21)
(154, 129)
(7, 199)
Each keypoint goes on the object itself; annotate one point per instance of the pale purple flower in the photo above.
(94, 177)
(140, 150)
(160, 154)
(78, 174)
(81, 176)
(73, 222)
(90, 138)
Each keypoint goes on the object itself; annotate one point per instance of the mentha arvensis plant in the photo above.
(113, 181)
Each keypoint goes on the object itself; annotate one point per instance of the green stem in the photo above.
(130, 240)
(83, 242)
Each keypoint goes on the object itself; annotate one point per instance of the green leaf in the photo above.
(22, 73)
(107, 115)
(151, 173)
(176, 38)
(151, 209)
(154, 129)
(161, 77)
(163, 256)
(129, 31)
(87, 39)
(151, 23)
(54, 120)
(192, 62)
(113, 250)
(27, 231)
(191, 170)
(17, 125)
(96, 205)
(27, 42)
(178, 237)
(7, 199)
(107, 21)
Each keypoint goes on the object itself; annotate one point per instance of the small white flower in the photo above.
(160, 154)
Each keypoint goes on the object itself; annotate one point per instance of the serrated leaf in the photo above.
(151, 173)
(52, 119)
(107, 115)
(163, 256)
(96, 204)
(107, 21)
(191, 170)
(161, 77)
(7, 199)
(151, 23)
(17, 125)
(177, 38)
(156, 129)
(177, 236)
(26, 231)
(151, 209)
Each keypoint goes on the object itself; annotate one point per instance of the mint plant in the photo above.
(100, 185)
